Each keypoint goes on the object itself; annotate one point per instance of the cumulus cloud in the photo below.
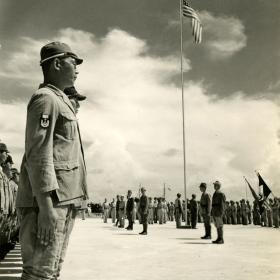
(224, 35)
(132, 125)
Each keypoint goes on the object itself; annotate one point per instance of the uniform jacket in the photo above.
(105, 205)
(117, 205)
(205, 204)
(53, 159)
(218, 204)
(130, 205)
(143, 205)
(178, 205)
(193, 206)
(4, 193)
(122, 206)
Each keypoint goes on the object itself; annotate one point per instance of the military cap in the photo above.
(217, 183)
(9, 159)
(72, 93)
(203, 185)
(14, 171)
(57, 49)
(3, 148)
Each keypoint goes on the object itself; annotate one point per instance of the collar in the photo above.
(60, 93)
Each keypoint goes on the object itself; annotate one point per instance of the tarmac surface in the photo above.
(99, 251)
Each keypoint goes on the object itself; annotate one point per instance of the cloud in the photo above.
(131, 122)
(171, 152)
(224, 35)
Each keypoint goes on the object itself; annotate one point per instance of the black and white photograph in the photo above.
(139, 139)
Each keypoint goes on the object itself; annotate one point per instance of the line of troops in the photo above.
(9, 179)
(160, 211)
(266, 214)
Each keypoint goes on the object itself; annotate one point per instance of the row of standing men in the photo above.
(160, 210)
(9, 179)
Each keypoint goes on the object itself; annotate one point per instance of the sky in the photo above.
(131, 122)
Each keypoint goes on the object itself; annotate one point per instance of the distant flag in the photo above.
(195, 21)
(266, 189)
(252, 190)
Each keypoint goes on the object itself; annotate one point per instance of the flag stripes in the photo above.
(195, 21)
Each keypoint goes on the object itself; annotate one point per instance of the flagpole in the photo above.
(183, 113)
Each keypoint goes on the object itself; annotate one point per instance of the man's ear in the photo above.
(57, 64)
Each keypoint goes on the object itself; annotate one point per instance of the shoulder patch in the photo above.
(45, 121)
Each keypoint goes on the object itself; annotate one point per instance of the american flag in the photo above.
(195, 21)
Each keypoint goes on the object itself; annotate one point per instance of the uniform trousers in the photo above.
(144, 220)
(178, 218)
(275, 218)
(207, 224)
(130, 219)
(113, 214)
(42, 262)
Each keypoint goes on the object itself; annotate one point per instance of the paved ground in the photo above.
(99, 251)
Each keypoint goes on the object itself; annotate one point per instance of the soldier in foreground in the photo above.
(218, 210)
(143, 210)
(205, 206)
(53, 174)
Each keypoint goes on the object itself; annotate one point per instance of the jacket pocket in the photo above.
(68, 175)
(68, 125)
(66, 165)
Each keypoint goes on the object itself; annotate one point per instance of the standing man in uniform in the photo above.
(275, 212)
(193, 210)
(53, 173)
(105, 208)
(155, 209)
(249, 212)
(218, 210)
(205, 206)
(178, 210)
(4, 184)
(129, 210)
(117, 210)
(113, 211)
(171, 211)
(122, 212)
(143, 211)
(151, 211)
(233, 212)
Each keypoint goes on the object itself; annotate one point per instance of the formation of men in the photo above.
(9, 179)
(208, 210)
